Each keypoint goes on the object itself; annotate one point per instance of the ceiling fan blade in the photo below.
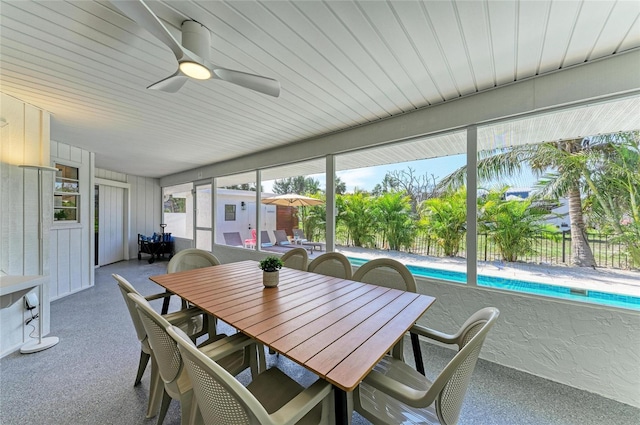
(171, 84)
(254, 82)
(140, 12)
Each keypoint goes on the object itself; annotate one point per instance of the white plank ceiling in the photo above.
(340, 64)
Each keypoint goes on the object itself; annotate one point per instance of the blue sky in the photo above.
(366, 178)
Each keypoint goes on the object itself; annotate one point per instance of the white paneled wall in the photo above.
(145, 209)
(72, 243)
(23, 140)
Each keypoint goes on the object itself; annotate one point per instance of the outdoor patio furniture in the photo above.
(265, 240)
(272, 398)
(391, 273)
(298, 236)
(281, 238)
(394, 391)
(332, 264)
(233, 239)
(188, 320)
(177, 385)
(296, 259)
(313, 246)
(189, 259)
(251, 243)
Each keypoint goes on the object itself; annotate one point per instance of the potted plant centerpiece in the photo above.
(270, 270)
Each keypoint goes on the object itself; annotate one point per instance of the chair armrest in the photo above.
(433, 334)
(181, 316)
(223, 347)
(398, 390)
(301, 404)
(157, 296)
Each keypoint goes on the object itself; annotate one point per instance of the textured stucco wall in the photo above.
(593, 348)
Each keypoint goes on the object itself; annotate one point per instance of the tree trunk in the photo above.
(581, 254)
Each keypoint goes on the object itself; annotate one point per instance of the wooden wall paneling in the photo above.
(75, 260)
(133, 214)
(12, 150)
(64, 151)
(30, 248)
(53, 266)
(63, 258)
(77, 154)
(152, 225)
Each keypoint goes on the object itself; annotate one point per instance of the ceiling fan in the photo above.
(192, 54)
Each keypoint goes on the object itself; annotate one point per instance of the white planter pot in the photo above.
(270, 279)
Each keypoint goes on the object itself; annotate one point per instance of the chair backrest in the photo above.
(221, 398)
(452, 383)
(281, 237)
(387, 272)
(126, 288)
(233, 239)
(265, 240)
(296, 258)
(164, 347)
(253, 235)
(191, 258)
(332, 264)
(298, 234)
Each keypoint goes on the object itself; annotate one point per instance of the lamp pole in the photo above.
(41, 343)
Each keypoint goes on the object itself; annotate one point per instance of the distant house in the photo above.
(560, 217)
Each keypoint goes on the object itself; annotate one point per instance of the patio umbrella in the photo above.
(292, 200)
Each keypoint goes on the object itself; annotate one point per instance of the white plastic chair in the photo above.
(272, 398)
(189, 321)
(331, 264)
(391, 273)
(177, 384)
(297, 258)
(395, 393)
(189, 259)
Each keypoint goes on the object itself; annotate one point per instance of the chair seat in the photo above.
(273, 389)
(386, 406)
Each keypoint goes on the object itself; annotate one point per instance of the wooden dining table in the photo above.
(337, 328)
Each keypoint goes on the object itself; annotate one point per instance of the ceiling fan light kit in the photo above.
(195, 70)
(192, 54)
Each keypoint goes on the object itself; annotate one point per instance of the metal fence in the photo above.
(608, 253)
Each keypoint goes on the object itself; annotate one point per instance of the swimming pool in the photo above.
(596, 297)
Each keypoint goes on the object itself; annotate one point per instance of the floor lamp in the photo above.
(41, 343)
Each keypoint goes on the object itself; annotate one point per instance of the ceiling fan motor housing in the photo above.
(197, 38)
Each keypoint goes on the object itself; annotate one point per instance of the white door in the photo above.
(110, 224)
(203, 216)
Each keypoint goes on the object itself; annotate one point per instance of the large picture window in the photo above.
(235, 205)
(177, 208)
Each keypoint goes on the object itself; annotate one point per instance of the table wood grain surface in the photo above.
(339, 329)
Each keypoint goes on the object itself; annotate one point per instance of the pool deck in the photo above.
(606, 280)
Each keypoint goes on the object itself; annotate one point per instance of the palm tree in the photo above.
(613, 195)
(357, 215)
(394, 217)
(563, 165)
(445, 219)
(513, 225)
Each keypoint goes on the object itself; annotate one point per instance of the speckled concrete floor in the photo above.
(88, 377)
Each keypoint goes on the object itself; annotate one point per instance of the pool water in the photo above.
(596, 297)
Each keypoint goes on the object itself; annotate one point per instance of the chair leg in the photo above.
(156, 388)
(144, 360)
(417, 353)
(166, 400)
(165, 304)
